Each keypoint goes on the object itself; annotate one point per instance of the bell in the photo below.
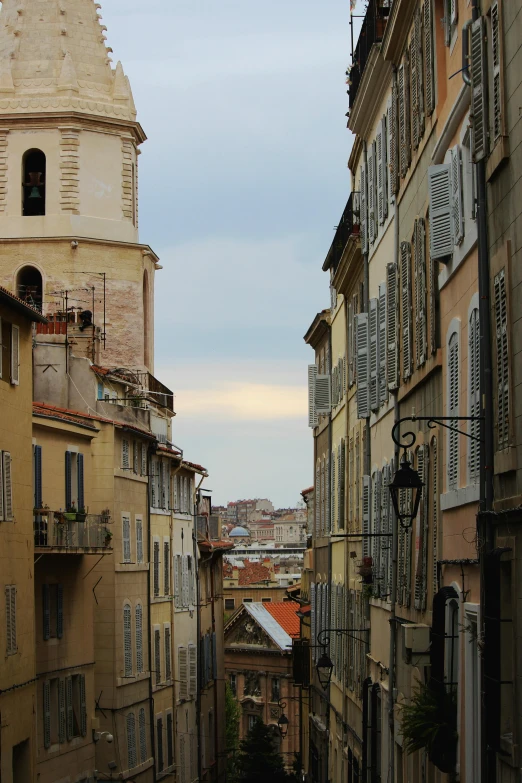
(35, 193)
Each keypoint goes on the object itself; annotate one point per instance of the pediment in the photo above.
(248, 633)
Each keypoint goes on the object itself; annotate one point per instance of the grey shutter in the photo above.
(327, 512)
(127, 641)
(383, 389)
(1, 343)
(10, 596)
(83, 706)
(333, 504)
(392, 322)
(435, 516)
(170, 740)
(474, 394)
(47, 713)
(363, 365)
(404, 116)
(177, 582)
(415, 107)
(143, 459)
(312, 413)
(159, 737)
(429, 58)
(366, 512)
(193, 670)
(375, 527)
(68, 480)
(139, 540)
(46, 612)
(323, 397)
(156, 568)
(214, 657)
(502, 348)
(457, 195)
(80, 488)
(425, 527)
(441, 212)
(62, 721)
(497, 83)
(434, 286)
(168, 654)
(69, 707)
(479, 82)
(372, 192)
(391, 136)
(132, 759)
(343, 485)
(2, 487)
(143, 735)
(313, 630)
(374, 354)
(126, 539)
(157, 655)
(183, 672)
(453, 410)
(166, 568)
(422, 468)
(8, 487)
(185, 578)
(382, 195)
(333, 636)
(139, 638)
(125, 454)
(59, 611)
(420, 72)
(421, 341)
(406, 331)
(351, 358)
(364, 208)
(38, 499)
(15, 355)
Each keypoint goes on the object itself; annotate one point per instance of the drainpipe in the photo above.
(198, 622)
(329, 523)
(150, 452)
(485, 531)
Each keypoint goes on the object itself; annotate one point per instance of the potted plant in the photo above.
(81, 515)
(365, 569)
(108, 537)
(429, 722)
(70, 514)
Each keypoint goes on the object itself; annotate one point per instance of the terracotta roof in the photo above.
(285, 614)
(194, 466)
(19, 304)
(168, 450)
(307, 491)
(209, 546)
(100, 370)
(253, 573)
(55, 412)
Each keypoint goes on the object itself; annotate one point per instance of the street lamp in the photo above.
(324, 665)
(406, 492)
(283, 723)
(324, 668)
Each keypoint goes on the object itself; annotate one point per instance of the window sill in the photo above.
(129, 474)
(160, 512)
(121, 681)
(131, 567)
(498, 155)
(161, 599)
(460, 497)
(164, 773)
(505, 460)
(130, 773)
(160, 686)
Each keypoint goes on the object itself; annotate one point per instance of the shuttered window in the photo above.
(193, 670)
(127, 641)
(139, 638)
(374, 544)
(341, 465)
(15, 355)
(183, 673)
(383, 388)
(364, 209)
(312, 413)
(502, 358)
(10, 615)
(474, 394)
(132, 759)
(168, 653)
(68, 480)
(374, 353)
(422, 543)
(435, 514)
(429, 58)
(434, 287)
(6, 487)
(143, 459)
(363, 365)
(497, 79)
(406, 331)
(159, 741)
(47, 714)
(157, 655)
(392, 145)
(441, 210)
(453, 410)
(382, 172)
(366, 511)
(166, 568)
(313, 620)
(404, 117)
(421, 325)
(479, 80)
(415, 67)
(170, 740)
(185, 579)
(323, 395)
(62, 720)
(178, 598)
(156, 568)
(371, 193)
(125, 454)
(37, 477)
(327, 517)
(457, 194)
(139, 540)
(392, 320)
(143, 735)
(333, 487)
(126, 540)
(69, 709)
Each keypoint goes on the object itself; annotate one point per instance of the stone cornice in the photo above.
(145, 249)
(349, 266)
(93, 122)
(318, 329)
(375, 82)
(397, 29)
(355, 155)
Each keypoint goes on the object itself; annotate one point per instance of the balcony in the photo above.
(372, 32)
(348, 226)
(74, 533)
(156, 392)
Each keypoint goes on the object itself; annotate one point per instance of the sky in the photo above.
(242, 181)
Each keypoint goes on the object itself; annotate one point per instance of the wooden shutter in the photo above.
(435, 515)
(214, 656)
(497, 81)
(83, 705)
(441, 212)
(38, 499)
(425, 525)
(69, 707)
(349, 340)
(453, 410)
(193, 670)
(15, 355)
(126, 539)
(363, 365)
(313, 630)
(159, 738)
(10, 613)
(479, 82)
(375, 527)
(168, 654)
(185, 581)
(46, 612)
(374, 353)
(156, 568)
(81, 484)
(392, 319)
(143, 460)
(139, 638)
(47, 713)
(8, 487)
(132, 759)
(421, 342)
(182, 672)
(125, 454)
(434, 287)
(366, 512)
(170, 740)
(339, 485)
(417, 28)
(415, 106)
(406, 331)
(139, 540)
(327, 519)
(323, 395)
(68, 480)
(2, 487)
(62, 720)
(404, 116)
(332, 623)
(1, 349)
(312, 413)
(127, 641)
(392, 146)
(502, 349)
(382, 186)
(333, 504)
(142, 720)
(457, 195)
(429, 58)
(371, 193)
(178, 599)
(166, 568)
(59, 611)
(157, 655)
(383, 389)
(474, 394)
(364, 208)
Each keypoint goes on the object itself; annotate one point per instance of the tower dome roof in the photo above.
(53, 57)
(238, 531)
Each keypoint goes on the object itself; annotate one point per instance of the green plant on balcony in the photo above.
(429, 722)
(108, 537)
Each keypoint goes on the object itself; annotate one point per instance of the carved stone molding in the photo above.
(3, 170)
(70, 170)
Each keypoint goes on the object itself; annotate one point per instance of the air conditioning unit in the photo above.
(417, 638)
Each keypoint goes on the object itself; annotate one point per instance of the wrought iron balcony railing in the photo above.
(372, 32)
(71, 532)
(348, 226)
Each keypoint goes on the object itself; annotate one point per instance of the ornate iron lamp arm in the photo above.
(407, 439)
(324, 634)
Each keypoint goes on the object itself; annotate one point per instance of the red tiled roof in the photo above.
(307, 491)
(100, 370)
(55, 412)
(194, 466)
(253, 573)
(285, 614)
(35, 314)
(211, 545)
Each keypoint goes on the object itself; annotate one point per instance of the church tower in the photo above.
(69, 146)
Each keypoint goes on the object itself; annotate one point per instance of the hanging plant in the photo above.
(429, 722)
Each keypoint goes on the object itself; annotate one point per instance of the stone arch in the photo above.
(34, 169)
(29, 286)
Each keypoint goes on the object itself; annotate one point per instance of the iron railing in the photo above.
(372, 32)
(348, 225)
(57, 530)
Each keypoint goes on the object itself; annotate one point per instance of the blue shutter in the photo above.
(100, 390)
(81, 494)
(214, 656)
(68, 479)
(38, 477)
(59, 611)
(46, 613)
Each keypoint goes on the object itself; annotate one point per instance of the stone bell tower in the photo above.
(69, 145)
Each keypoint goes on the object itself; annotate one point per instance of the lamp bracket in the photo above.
(324, 634)
(407, 439)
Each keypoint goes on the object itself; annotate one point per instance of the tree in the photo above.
(258, 760)
(232, 717)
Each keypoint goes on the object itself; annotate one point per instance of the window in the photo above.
(474, 394)
(252, 720)
(276, 689)
(183, 673)
(159, 740)
(157, 654)
(451, 15)
(10, 359)
(33, 183)
(502, 359)
(170, 740)
(139, 539)
(139, 638)
(230, 604)
(125, 454)
(37, 476)
(233, 683)
(135, 457)
(487, 76)
(166, 567)
(74, 481)
(10, 614)
(127, 641)
(453, 410)
(266, 600)
(132, 758)
(126, 538)
(75, 706)
(247, 600)
(156, 574)
(168, 653)
(193, 669)
(6, 488)
(452, 667)
(178, 582)
(52, 596)
(143, 735)
(29, 286)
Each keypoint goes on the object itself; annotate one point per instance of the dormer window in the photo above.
(33, 183)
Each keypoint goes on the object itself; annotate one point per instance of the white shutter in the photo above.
(312, 413)
(392, 321)
(323, 395)
(15, 355)
(502, 349)
(497, 84)
(139, 540)
(453, 410)
(126, 539)
(8, 486)
(313, 621)
(374, 354)
(333, 504)
(366, 511)
(183, 672)
(185, 581)
(429, 58)
(382, 200)
(372, 207)
(139, 638)
(457, 195)
(441, 222)
(132, 759)
(383, 389)
(127, 641)
(327, 511)
(406, 331)
(479, 82)
(363, 368)
(193, 670)
(391, 137)
(420, 292)
(364, 207)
